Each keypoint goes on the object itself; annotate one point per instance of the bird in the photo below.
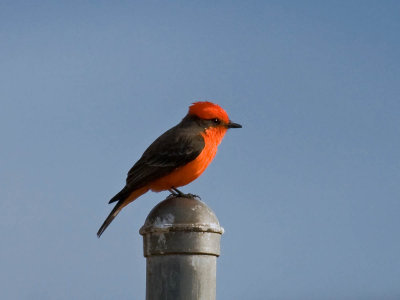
(176, 158)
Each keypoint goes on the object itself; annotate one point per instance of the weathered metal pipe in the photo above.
(181, 241)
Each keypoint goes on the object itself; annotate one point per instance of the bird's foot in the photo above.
(177, 193)
(172, 195)
(189, 195)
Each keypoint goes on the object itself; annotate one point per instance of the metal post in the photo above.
(181, 241)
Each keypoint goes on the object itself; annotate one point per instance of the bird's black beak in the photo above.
(233, 125)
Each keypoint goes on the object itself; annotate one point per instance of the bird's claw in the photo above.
(177, 193)
(172, 196)
(189, 195)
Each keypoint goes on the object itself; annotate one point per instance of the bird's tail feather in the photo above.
(115, 211)
(119, 206)
(118, 196)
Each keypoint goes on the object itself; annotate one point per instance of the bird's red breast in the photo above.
(186, 174)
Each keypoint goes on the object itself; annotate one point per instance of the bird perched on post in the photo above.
(177, 157)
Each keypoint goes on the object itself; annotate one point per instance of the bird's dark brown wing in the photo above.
(173, 149)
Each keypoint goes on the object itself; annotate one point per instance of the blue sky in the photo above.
(308, 191)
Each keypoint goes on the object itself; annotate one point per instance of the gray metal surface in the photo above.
(181, 241)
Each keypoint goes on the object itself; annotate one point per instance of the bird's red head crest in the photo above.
(208, 110)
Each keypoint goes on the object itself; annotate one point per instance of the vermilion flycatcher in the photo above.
(177, 157)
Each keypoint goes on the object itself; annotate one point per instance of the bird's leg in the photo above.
(173, 193)
(178, 193)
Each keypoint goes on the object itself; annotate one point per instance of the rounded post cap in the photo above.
(181, 214)
(181, 225)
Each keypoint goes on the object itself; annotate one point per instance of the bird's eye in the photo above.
(216, 121)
